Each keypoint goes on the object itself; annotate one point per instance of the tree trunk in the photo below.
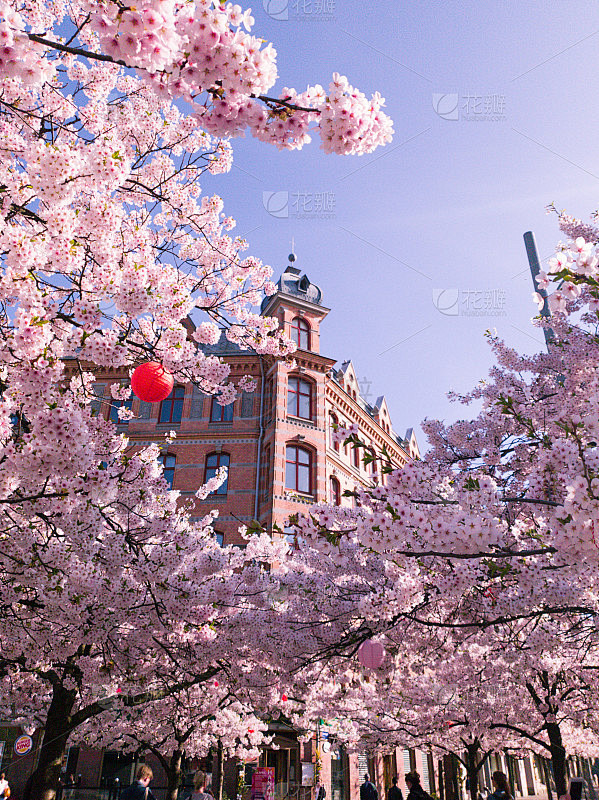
(547, 774)
(472, 769)
(218, 772)
(586, 774)
(174, 773)
(558, 758)
(441, 779)
(43, 782)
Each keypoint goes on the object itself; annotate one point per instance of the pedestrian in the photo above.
(321, 792)
(140, 790)
(4, 787)
(200, 791)
(415, 790)
(368, 790)
(69, 787)
(394, 793)
(501, 790)
(115, 789)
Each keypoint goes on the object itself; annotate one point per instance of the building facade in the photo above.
(275, 442)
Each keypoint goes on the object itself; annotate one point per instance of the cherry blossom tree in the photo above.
(491, 538)
(110, 116)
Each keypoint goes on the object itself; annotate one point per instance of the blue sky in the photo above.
(411, 244)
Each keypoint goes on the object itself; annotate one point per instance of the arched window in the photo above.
(220, 413)
(168, 467)
(300, 333)
(334, 491)
(299, 398)
(332, 422)
(374, 465)
(214, 461)
(298, 469)
(171, 409)
(356, 457)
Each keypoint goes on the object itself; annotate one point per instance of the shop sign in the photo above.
(23, 745)
(263, 783)
(307, 773)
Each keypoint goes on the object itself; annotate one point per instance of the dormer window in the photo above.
(300, 333)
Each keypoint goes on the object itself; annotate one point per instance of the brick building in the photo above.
(275, 442)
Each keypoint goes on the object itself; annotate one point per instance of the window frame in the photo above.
(300, 333)
(334, 491)
(297, 466)
(114, 407)
(297, 395)
(168, 470)
(211, 470)
(226, 413)
(333, 420)
(175, 400)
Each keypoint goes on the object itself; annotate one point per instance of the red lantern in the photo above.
(371, 654)
(151, 382)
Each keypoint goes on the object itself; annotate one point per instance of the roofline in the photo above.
(298, 300)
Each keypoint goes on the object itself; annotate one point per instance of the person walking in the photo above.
(501, 789)
(368, 790)
(415, 790)
(199, 787)
(394, 793)
(140, 790)
(4, 787)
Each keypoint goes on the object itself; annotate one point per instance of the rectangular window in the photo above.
(298, 467)
(114, 410)
(96, 403)
(213, 463)
(265, 474)
(168, 468)
(247, 404)
(197, 404)
(220, 413)
(171, 409)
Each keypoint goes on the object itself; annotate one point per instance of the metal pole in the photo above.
(535, 268)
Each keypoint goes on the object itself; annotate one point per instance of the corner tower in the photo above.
(298, 306)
